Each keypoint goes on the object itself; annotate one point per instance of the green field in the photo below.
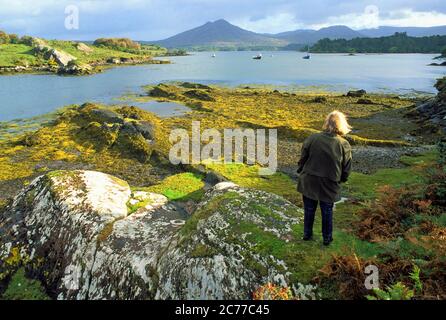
(18, 54)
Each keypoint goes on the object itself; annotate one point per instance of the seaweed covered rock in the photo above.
(134, 141)
(356, 93)
(124, 130)
(433, 111)
(105, 135)
(198, 95)
(94, 113)
(191, 85)
(162, 91)
(73, 230)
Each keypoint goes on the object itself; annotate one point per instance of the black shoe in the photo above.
(327, 242)
(307, 238)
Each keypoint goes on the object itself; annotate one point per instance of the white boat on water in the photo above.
(257, 57)
(307, 56)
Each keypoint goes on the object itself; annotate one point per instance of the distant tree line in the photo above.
(12, 38)
(117, 43)
(398, 43)
(126, 45)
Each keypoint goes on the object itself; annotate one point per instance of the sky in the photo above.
(159, 19)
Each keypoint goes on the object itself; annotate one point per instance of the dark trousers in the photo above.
(310, 207)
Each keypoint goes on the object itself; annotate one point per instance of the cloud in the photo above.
(372, 18)
(157, 19)
(407, 17)
(270, 24)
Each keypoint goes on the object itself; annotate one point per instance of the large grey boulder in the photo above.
(75, 231)
(61, 57)
(215, 254)
(83, 47)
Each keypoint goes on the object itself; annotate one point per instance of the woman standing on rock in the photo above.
(325, 162)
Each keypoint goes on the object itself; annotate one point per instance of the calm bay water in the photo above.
(23, 96)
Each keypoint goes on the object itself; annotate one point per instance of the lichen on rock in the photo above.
(89, 245)
(216, 255)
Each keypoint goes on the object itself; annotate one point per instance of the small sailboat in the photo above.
(307, 56)
(213, 55)
(257, 57)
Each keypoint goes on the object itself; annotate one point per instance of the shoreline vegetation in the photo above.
(398, 43)
(35, 55)
(396, 187)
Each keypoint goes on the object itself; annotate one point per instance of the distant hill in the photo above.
(411, 31)
(312, 36)
(398, 43)
(222, 35)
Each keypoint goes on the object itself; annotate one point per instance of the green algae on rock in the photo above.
(124, 141)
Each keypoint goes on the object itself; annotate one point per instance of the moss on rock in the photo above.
(91, 136)
(182, 186)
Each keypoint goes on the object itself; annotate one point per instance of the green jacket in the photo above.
(325, 162)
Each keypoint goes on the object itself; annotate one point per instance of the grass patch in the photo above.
(182, 186)
(17, 55)
(21, 287)
(248, 177)
(364, 187)
(303, 258)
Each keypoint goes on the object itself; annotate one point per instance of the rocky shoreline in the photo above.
(431, 114)
(74, 69)
(92, 193)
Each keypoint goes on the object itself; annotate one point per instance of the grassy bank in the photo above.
(29, 54)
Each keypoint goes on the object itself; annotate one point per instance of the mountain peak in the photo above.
(220, 33)
(221, 21)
